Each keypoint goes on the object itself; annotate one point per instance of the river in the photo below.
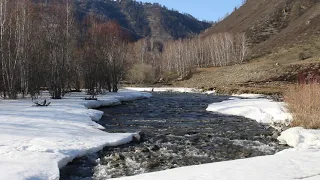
(177, 131)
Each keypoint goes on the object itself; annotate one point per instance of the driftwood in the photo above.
(44, 103)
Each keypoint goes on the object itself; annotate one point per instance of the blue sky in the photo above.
(210, 10)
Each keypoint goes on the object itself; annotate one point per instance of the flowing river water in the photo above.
(177, 131)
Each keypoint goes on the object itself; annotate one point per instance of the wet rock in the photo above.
(145, 150)
(244, 136)
(155, 148)
(149, 156)
(153, 164)
(245, 154)
(136, 138)
(275, 134)
(142, 135)
(118, 156)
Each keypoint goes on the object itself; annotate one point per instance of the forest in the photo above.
(44, 47)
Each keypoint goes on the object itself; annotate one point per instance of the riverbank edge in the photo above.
(100, 103)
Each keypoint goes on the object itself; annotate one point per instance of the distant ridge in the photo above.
(143, 19)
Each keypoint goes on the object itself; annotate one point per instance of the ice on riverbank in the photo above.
(36, 141)
(262, 110)
(250, 96)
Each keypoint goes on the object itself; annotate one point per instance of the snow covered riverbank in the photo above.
(164, 89)
(260, 109)
(299, 162)
(36, 141)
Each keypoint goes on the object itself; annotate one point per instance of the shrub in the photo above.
(303, 102)
(141, 73)
(170, 76)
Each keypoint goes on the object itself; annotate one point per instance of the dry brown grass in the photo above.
(304, 103)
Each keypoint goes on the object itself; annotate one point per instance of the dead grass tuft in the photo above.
(304, 103)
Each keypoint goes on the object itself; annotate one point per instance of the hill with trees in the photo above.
(65, 45)
(283, 47)
(143, 19)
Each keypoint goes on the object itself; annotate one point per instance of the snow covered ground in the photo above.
(36, 141)
(299, 162)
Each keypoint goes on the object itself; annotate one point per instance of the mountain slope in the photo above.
(284, 39)
(273, 24)
(143, 19)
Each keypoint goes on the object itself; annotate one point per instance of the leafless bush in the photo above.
(141, 73)
(222, 49)
(304, 103)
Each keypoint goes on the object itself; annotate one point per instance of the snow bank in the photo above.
(163, 89)
(210, 92)
(36, 141)
(127, 95)
(301, 138)
(249, 95)
(261, 109)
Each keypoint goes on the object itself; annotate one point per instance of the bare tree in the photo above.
(180, 57)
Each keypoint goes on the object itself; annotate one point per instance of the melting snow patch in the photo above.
(301, 138)
(209, 92)
(251, 96)
(262, 110)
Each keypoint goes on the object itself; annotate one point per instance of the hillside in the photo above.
(284, 41)
(274, 24)
(143, 19)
